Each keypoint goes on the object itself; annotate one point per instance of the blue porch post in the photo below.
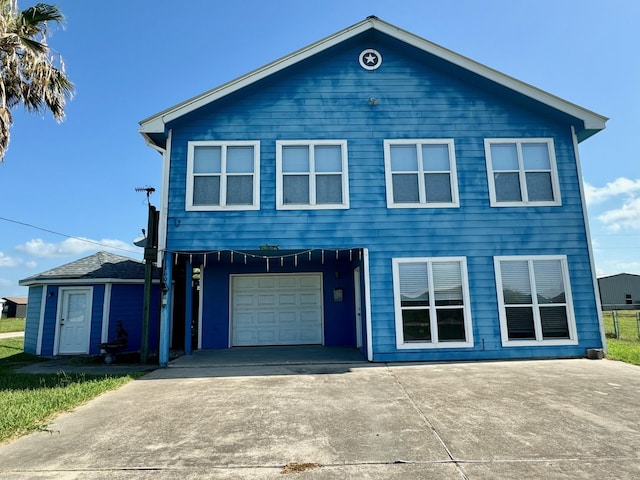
(165, 312)
(188, 307)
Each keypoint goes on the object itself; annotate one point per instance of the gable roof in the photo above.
(153, 128)
(628, 275)
(99, 266)
(16, 300)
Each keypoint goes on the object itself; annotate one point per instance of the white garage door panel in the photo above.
(276, 309)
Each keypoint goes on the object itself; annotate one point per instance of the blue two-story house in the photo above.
(378, 191)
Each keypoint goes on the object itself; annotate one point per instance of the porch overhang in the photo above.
(270, 257)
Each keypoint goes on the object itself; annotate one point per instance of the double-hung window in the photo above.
(535, 300)
(431, 300)
(522, 172)
(420, 173)
(312, 174)
(223, 175)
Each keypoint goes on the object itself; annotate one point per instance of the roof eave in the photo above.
(73, 281)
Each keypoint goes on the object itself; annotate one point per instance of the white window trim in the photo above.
(555, 183)
(571, 319)
(455, 201)
(468, 324)
(189, 206)
(280, 205)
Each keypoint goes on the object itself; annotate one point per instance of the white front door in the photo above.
(74, 320)
(277, 309)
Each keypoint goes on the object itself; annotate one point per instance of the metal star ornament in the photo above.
(370, 59)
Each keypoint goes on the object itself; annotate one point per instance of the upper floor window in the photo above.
(223, 175)
(535, 300)
(522, 172)
(311, 174)
(431, 303)
(420, 173)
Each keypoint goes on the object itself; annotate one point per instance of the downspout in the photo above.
(164, 200)
(165, 258)
(165, 309)
(592, 262)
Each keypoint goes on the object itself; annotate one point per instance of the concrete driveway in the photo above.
(238, 419)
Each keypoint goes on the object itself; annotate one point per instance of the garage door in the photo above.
(281, 309)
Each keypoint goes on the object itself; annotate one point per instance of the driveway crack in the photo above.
(426, 420)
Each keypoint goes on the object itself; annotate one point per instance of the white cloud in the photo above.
(620, 186)
(6, 261)
(623, 203)
(72, 246)
(10, 262)
(627, 216)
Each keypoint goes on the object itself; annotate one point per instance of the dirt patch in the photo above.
(297, 467)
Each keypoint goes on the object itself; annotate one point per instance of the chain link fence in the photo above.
(622, 324)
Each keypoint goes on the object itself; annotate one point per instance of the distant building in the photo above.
(620, 291)
(14, 307)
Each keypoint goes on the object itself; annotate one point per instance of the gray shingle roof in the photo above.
(101, 265)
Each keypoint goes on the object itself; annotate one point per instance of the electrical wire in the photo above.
(67, 236)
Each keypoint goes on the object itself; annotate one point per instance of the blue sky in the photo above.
(131, 59)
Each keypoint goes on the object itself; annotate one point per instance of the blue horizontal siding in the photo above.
(50, 318)
(96, 318)
(127, 302)
(32, 322)
(339, 326)
(419, 97)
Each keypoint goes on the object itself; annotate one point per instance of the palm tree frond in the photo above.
(34, 45)
(5, 130)
(39, 14)
(28, 75)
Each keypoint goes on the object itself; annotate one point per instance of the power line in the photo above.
(67, 236)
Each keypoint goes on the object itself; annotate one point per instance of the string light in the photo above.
(246, 255)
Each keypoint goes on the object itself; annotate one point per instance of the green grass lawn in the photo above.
(625, 350)
(11, 325)
(28, 402)
(627, 346)
(627, 324)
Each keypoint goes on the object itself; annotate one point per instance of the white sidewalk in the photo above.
(11, 335)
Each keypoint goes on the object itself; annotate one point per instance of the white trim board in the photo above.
(87, 281)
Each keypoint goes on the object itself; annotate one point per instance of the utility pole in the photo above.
(150, 257)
